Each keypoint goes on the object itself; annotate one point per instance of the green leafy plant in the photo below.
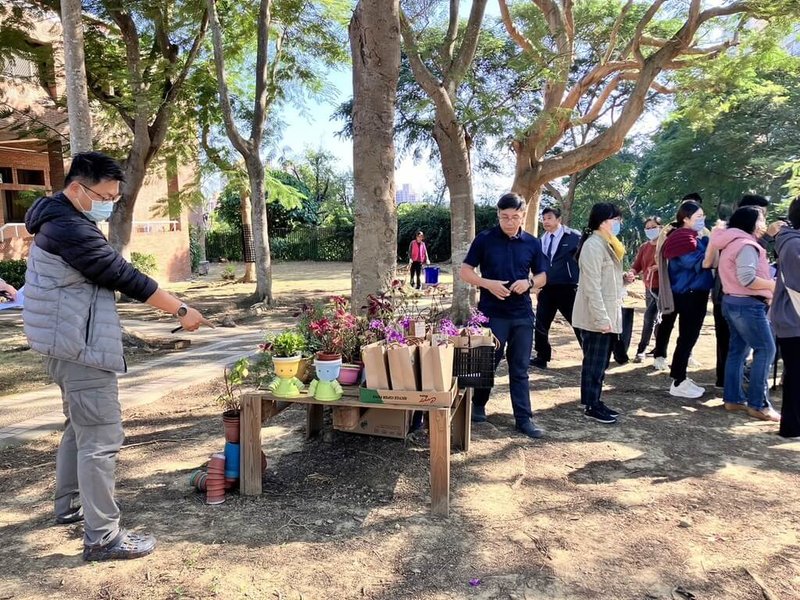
(234, 379)
(286, 344)
(146, 263)
(13, 272)
(229, 273)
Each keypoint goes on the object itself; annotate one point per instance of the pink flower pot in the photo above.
(349, 374)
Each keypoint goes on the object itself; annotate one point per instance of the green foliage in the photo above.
(228, 273)
(146, 263)
(741, 149)
(13, 272)
(234, 379)
(287, 344)
(224, 244)
(434, 222)
(195, 247)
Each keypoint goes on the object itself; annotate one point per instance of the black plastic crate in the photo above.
(474, 367)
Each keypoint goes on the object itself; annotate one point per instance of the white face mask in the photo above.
(652, 234)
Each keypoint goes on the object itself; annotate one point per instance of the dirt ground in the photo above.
(678, 500)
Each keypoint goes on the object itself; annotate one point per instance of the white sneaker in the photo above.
(660, 364)
(686, 389)
(694, 363)
(639, 358)
(696, 387)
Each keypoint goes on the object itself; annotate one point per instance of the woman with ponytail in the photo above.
(598, 304)
(689, 283)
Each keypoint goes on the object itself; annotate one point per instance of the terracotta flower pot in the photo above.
(215, 498)
(329, 356)
(230, 423)
(230, 483)
(217, 461)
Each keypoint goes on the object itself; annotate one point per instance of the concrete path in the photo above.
(211, 350)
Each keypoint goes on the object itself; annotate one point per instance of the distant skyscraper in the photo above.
(406, 195)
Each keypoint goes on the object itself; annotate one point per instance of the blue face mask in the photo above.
(615, 227)
(652, 234)
(699, 225)
(101, 211)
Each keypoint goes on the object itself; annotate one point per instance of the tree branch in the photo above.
(466, 53)
(612, 42)
(222, 86)
(262, 73)
(516, 35)
(450, 36)
(553, 191)
(422, 74)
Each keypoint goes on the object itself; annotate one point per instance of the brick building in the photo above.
(34, 134)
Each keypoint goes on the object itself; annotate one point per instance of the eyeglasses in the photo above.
(511, 218)
(113, 199)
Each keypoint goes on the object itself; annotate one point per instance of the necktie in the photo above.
(550, 247)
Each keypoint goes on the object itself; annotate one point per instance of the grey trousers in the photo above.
(87, 455)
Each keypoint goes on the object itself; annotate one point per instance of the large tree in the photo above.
(375, 49)
(441, 83)
(640, 43)
(293, 37)
(139, 55)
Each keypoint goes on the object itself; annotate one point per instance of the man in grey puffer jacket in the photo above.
(70, 317)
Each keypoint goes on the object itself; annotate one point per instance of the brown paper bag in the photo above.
(403, 367)
(376, 366)
(473, 340)
(436, 365)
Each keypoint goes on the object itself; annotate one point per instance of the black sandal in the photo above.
(125, 546)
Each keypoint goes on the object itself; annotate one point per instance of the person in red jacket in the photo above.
(645, 265)
(417, 255)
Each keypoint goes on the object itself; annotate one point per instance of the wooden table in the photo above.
(449, 423)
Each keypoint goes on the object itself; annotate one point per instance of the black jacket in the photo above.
(61, 230)
(563, 269)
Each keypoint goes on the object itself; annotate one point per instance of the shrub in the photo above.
(228, 273)
(13, 272)
(195, 250)
(146, 263)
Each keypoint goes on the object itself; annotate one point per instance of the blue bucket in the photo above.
(431, 275)
(231, 460)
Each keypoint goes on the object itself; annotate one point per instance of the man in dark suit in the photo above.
(560, 244)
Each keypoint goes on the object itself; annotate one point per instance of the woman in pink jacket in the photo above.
(417, 255)
(747, 288)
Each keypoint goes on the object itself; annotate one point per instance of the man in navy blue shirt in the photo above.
(560, 244)
(511, 264)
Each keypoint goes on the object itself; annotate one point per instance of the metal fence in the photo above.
(307, 243)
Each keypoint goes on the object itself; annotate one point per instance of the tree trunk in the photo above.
(458, 177)
(80, 119)
(527, 183)
(568, 201)
(263, 266)
(247, 229)
(120, 225)
(375, 47)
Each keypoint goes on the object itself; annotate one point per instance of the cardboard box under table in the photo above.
(449, 415)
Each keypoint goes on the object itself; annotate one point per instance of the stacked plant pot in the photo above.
(215, 482)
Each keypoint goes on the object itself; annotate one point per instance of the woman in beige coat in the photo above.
(598, 304)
